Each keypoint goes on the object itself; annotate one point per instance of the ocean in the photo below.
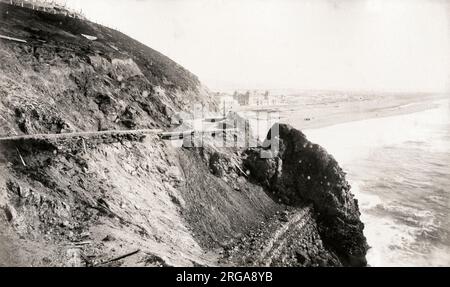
(399, 169)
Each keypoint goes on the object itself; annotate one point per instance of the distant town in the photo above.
(251, 98)
(265, 99)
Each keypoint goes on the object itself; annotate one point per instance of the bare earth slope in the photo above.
(60, 81)
(129, 198)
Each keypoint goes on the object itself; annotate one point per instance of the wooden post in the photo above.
(118, 258)
(84, 145)
(21, 158)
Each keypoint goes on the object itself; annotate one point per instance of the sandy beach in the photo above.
(311, 112)
(380, 143)
(397, 164)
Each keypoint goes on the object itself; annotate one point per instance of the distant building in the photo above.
(259, 98)
(242, 99)
(249, 98)
(227, 103)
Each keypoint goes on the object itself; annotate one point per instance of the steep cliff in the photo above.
(303, 172)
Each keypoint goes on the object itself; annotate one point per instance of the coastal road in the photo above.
(159, 132)
(81, 134)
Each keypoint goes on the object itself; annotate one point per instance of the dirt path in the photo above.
(164, 135)
(78, 134)
(271, 241)
(279, 238)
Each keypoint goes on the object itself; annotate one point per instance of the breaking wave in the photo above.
(399, 171)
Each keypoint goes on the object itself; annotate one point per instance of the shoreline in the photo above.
(355, 144)
(377, 114)
(308, 116)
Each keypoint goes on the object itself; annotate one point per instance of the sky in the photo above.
(357, 45)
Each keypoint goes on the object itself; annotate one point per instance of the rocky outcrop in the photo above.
(301, 172)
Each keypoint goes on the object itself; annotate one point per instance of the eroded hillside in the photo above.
(60, 81)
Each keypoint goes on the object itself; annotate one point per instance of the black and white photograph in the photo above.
(225, 134)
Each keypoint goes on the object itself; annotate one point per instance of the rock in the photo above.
(155, 260)
(108, 238)
(8, 213)
(161, 169)
(177, 119)
(284, 216)
(216, 164)
(261, 170)
(85, 234)
(301, 257)
(294, 175)
(13, 187)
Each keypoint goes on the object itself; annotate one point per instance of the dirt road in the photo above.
(79, 134)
